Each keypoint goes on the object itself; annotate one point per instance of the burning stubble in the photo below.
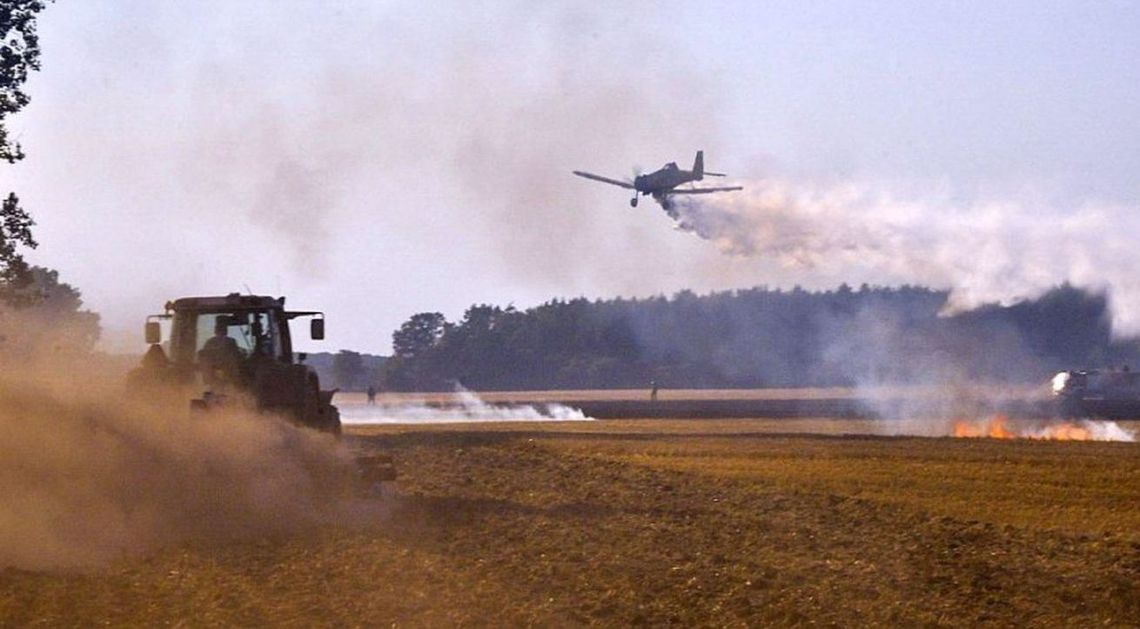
(1001, 427)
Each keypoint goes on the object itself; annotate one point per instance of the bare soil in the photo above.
(616, 523)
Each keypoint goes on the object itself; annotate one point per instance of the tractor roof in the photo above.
(233, 301)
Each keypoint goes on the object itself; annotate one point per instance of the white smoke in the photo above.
(1096, 430)
(983, 251)
(465, 406)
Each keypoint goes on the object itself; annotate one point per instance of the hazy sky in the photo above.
(377, 159)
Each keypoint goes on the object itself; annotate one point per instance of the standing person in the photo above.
(371, 394)
(652, 390)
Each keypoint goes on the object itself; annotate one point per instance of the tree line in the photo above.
(759, 337)
(37, 310)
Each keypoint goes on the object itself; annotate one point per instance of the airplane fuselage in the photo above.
(663, 180)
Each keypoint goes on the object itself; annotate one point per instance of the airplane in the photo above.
(662, 183)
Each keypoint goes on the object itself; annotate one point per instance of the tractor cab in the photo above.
(255, 327)
(221, 346)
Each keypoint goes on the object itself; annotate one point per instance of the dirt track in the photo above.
(706, 523)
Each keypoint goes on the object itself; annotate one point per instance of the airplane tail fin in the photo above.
(699, 166)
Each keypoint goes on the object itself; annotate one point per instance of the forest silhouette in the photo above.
(759, 337)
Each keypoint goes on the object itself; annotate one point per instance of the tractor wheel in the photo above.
(330, 420)
(309, 401)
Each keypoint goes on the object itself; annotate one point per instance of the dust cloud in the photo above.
(91, 472)
(984, 251)
(394, 147)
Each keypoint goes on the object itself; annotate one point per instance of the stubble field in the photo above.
(652, 522)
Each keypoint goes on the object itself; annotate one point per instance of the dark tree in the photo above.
(348, 369)
(19, 54)
(757, 338)
(47, 312)
(51, 318)
(418, 334)
(58, 308)
(15, 275)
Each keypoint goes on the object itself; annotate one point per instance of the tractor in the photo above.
(237, 349)
(237, 345)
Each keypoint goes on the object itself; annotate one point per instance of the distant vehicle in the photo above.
(661, 184)
(1112, 394)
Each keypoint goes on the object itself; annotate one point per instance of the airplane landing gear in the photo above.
(633, 202)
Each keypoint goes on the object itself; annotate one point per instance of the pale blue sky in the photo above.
(402, 157)
(984, 93)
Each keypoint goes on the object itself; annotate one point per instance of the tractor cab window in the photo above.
(254, 333)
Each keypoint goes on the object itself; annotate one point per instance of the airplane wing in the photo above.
(703, 190)
(615, 182)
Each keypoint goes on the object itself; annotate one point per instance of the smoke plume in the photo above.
(985, 251)
(988, 251)
(466, 407)
(354, 151)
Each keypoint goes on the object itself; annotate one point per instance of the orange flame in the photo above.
(1066, 432)
(997, 427)
(994, 428)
